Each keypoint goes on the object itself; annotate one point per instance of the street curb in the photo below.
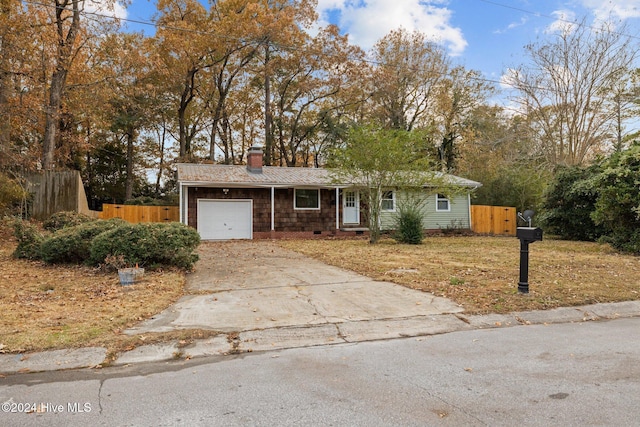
(312, 335)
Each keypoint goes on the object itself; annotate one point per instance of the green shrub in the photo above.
(617, 209)
(570, 201)
(623, 242)
(149, 245)
(170, 200)
(175, 243)
(73, 244)
(409, 228)
(131, 241)
(29, 240)
(65, 219)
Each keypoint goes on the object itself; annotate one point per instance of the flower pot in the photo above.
(128, 276)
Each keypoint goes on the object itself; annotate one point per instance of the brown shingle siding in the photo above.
(287, 219)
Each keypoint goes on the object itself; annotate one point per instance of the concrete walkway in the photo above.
(262, 297)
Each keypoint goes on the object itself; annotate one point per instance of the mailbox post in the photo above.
(526, 235)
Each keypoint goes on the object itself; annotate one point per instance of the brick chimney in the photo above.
(254, 159)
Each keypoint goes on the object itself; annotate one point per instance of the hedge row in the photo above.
(73, 244)
(93, 242)
(148, 244)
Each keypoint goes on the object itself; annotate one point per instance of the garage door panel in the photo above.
(225, 219)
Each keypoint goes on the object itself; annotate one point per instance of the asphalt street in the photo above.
(566, 374)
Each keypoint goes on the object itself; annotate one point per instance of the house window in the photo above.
(442, 203)
(306, 199)
(389, 201)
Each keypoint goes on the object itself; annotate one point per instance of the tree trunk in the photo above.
(5, 85)
(187, 96)
(161, 160)
(128, 192)
(59, 77)
(268, 138)
(53, 118)
(5, 123)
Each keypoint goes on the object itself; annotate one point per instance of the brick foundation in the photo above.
(335, 234)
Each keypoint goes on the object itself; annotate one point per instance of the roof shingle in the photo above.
(236, 175)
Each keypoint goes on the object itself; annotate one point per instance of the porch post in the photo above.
(337, 208)
(182, 207)
(469, 205)
(273, 205)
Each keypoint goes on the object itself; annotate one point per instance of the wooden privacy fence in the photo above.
(493, 220)
(137, 213)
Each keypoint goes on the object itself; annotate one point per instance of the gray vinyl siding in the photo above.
(457, 217)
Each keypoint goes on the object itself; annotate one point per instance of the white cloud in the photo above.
(508, 78)
(330, 4)
(513, 25)
(564, 23)
(117, 10)
(367, 21)
(613, 9)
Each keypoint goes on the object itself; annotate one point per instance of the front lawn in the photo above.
(65, 306)
(482, 273)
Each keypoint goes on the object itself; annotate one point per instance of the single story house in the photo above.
(246, 202)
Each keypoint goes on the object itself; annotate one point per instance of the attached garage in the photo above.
(225, 219)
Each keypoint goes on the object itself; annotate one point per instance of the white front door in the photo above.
(350, 207)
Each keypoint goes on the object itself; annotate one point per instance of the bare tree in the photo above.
(626, 103)
(410, 72)
(568, 89)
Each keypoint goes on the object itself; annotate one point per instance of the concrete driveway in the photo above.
(255, 285)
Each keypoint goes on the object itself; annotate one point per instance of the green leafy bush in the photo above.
(65, 219)
(169, 200)
(570, 202)
(629, 243)
(150, 245)
(73, 244)
(601, 202)
(409, 225)
(618, 206)
(29, 240)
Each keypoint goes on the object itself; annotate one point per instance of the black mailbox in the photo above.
(530, 234)
(526, 235)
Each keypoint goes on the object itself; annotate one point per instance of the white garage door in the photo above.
(225, 219)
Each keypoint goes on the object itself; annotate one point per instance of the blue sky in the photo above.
(484, 35)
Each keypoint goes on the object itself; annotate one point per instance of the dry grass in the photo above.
(481, 273)
(50, 307)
